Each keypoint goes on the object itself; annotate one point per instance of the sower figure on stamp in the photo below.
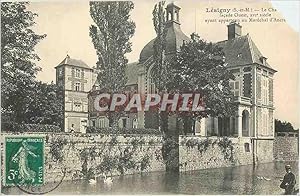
(289, 181)
(25, 173)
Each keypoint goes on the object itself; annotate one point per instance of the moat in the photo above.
(249, 179)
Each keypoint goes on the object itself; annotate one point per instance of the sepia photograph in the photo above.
(191, 97)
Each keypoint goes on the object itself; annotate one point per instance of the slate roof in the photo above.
(174, 40)
(241, 51)
(73, 62)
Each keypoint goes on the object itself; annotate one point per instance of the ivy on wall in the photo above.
(226, 146)
(106, 156)
(56, 149)
(224, 143)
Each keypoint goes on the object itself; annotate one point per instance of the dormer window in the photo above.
(263, 60)
(60, 72)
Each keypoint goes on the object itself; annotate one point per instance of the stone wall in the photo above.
(201, 152)
(286, 148)
(81, 156)
(78, 156)
(264, 152)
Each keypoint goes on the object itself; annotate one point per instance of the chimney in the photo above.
(195, 37)
(234, 30)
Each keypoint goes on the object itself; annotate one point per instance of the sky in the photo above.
(66, 24)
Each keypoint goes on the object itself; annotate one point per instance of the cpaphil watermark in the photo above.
(181, 102)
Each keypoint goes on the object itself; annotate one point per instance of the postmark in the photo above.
(24, 159)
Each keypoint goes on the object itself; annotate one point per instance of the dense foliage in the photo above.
(110, 35)
(23, 99)
(18, 68)
(283, 126)
(200, 67)
(46, 105)
(159, 69)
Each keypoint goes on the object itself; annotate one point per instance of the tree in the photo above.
(110, 35)
(160, 69)
(46, 105)
(160, 65)
(200, 67)
(18, 69)
(283, 126)
(161, 75)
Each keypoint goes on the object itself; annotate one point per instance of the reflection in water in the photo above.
(233, 180)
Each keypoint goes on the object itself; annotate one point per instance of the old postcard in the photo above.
(150, 97)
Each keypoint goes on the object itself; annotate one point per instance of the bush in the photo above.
(14, 127)
(108, 130)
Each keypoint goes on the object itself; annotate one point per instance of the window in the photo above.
(101, 122)
(265, 90)
(265, 123)
(235, 87)
(77, 86)
(151, 84)
(134, 123)
(93, 123)
(60, 71)
(77, 107)
(247, 147)
(77, 73)
(124, 121)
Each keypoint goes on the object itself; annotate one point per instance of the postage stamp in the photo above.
(24, 161)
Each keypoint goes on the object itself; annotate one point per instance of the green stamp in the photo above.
(24, 161)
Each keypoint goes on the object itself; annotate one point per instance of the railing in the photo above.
(245, 100)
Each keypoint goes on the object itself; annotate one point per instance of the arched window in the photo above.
(169, 16)
(151, 83)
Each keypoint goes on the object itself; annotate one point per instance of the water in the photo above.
(234, 180)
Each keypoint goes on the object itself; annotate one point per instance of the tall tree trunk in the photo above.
(114, 121)
(163, 122)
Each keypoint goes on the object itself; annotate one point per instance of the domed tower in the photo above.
(146, 84)
(174, 38)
